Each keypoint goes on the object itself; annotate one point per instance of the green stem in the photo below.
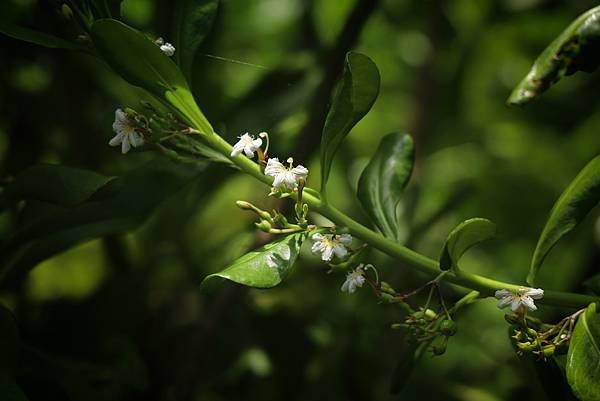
(415, 260)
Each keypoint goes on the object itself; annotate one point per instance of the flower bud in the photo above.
(386, 288)
(448, 328)
(264, 226)
(244, 205)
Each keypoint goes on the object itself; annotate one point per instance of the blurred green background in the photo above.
(123, 317)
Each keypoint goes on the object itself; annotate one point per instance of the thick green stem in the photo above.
(401, 253)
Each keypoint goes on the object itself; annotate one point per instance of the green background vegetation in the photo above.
(123, 317)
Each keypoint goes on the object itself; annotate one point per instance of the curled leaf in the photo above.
(576, 49)
(382, 182)
(354, 97)
(582, 194)
(265, 267)
(466, 235)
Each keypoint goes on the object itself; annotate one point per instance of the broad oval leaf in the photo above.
(576, 49)
(382, 182)
(583, 358)
(582, 194)
(354, 97)
(36, 37)
(56, 184)
(193, 20)
(141, 62)
(466, 235)
(265, 267)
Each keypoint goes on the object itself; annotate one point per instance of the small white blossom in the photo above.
(167, 49)
(328, 245)
(354, 280)
(126, 136)
(246, 144)
(285, 176)
(522, 298)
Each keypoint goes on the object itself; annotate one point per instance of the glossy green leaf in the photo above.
(193, 20)
(354, 97)
(466, 235)
(58, 184)
(141, 62)
(382, 182)
(36, 37)
(583, 358)
(267, 266)
(582, 194)
(576, 49)
(47, 229)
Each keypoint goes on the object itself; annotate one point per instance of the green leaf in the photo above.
(193, 20)
(466, 235)
(382, 182)
(57, 184)
(354, 97)
(47, 229)
(576, 49)
(141, 62)
(267, 266)
(36, 37)
(582, 194)
(583, 358)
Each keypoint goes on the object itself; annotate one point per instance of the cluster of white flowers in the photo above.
(127, 136)
(283, 177)
(520, 299)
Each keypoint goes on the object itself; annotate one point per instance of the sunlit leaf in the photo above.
(382, 182)
(58, 184)
(141, 62)
(36, 37)
(267, 266)
(576, 49)
(583, 358)
(466, 235)
(582, 194)
(354, 97)
(193, 20)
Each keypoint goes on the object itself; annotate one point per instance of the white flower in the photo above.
(354, 280)
(246, 144)
(287, 176)
(126, 133)
(328, 245)
(522, 298)
(167, 49)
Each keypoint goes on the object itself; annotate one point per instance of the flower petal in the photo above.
(503, 294)
(504, 302)
(125, 145)
(528, 303)
(136, 139)
(116, 140)
(345, 239)
(535, 293)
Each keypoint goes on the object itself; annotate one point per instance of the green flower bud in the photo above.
(385, 287)
(448, 328)
(244, 205)
(264, 226)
